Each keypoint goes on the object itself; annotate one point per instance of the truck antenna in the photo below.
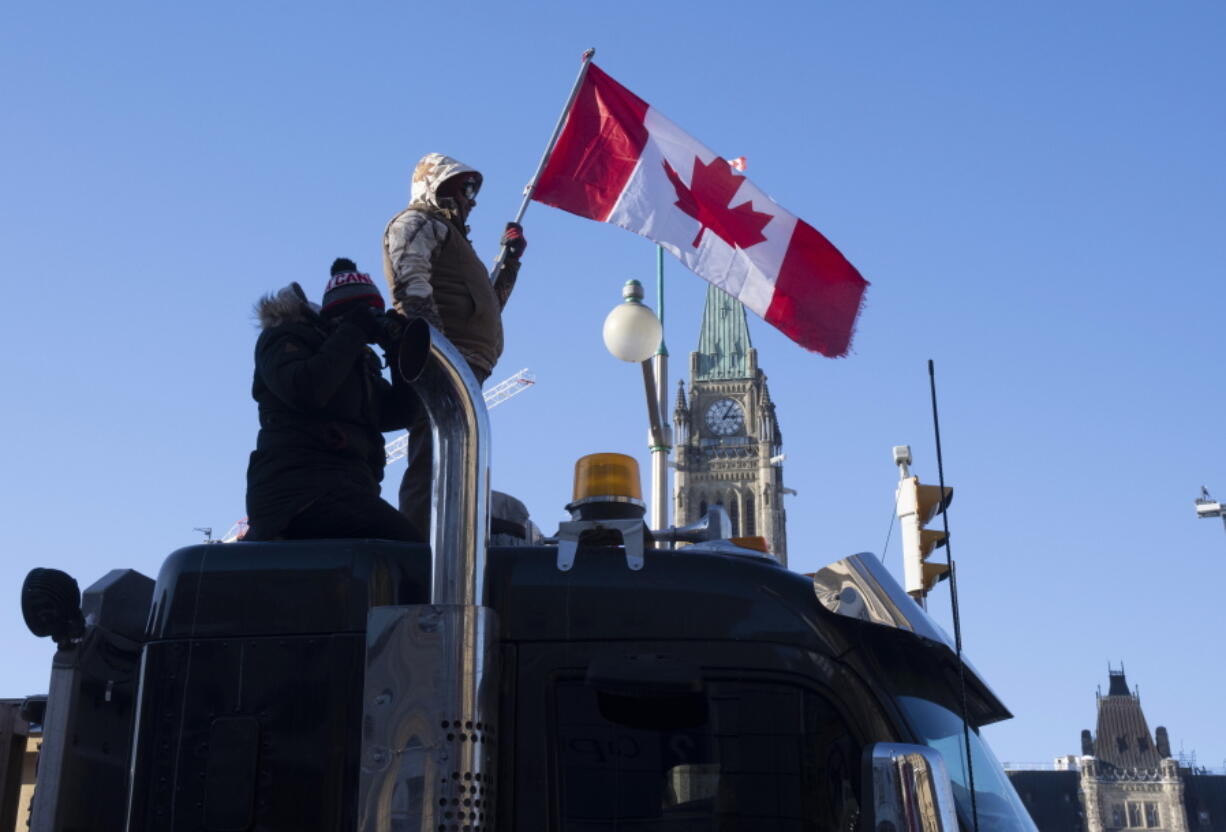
(953, 598)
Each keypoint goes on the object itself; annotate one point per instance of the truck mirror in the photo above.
(906, 787)
(51, 605)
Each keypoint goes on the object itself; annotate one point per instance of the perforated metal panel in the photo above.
(428, 723)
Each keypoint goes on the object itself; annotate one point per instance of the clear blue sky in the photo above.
(1035, 190)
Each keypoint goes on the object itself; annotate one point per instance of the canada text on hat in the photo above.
(349, 284)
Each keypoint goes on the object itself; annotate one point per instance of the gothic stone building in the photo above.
(1125, 779)
(728, 441)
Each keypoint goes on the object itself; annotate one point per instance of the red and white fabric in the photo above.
(618, 160)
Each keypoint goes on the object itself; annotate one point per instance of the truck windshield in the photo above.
(998, 806)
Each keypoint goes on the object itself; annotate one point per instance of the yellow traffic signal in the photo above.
(918, 505)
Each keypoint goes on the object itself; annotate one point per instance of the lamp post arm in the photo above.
(653, 405)
(660, 440)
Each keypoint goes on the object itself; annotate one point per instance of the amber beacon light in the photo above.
(607, 485)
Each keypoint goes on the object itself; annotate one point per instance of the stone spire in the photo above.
(681, 417)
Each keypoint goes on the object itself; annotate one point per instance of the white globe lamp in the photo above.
(632, 332)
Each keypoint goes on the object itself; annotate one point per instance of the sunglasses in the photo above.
(469, 188)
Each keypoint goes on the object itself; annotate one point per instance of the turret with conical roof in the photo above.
(1122, 738)
(1128, 780)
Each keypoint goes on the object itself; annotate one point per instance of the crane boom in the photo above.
(398, 448)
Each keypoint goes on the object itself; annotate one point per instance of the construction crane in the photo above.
(1206, 506)
(398, 448)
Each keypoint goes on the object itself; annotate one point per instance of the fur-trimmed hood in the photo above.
(285, 306)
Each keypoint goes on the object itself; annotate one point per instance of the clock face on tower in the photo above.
(725, 417)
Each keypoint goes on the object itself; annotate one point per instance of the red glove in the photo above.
(513, 240)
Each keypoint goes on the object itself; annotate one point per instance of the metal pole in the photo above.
(953, 601)
(656, 442)
(662, 442)
(656, 430)
(530, 188)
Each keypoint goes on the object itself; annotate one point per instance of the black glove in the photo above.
(513, 240)
(363, 317)
(392, 325)
(423, 308)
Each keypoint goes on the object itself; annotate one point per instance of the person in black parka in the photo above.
(323, 405)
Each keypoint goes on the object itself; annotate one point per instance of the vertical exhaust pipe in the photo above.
(430, 706)
(460, 423)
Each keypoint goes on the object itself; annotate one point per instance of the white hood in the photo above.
(432, 171)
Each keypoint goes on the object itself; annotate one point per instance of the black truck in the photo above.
(607, 679)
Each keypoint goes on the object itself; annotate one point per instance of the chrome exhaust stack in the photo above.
(430, 706)
(460, 423)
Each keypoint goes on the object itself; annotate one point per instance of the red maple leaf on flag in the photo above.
(711, 188)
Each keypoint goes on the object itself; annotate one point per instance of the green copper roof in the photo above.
(723, 343)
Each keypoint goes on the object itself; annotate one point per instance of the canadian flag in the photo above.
(618, 160)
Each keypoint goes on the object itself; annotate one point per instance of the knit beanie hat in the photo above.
(346, 284)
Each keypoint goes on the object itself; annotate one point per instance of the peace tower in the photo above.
(728, 443)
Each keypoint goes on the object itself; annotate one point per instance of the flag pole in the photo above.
(530, 188)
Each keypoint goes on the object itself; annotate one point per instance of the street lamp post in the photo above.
(633, 333)
(659, 453)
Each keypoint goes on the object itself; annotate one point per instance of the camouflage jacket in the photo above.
(432, 272)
